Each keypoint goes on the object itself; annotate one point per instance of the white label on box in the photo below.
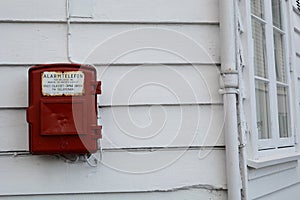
(69, 83)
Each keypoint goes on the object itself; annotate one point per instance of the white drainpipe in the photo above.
(229, 80)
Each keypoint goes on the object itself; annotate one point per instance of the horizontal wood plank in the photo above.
(107, 43)
(126, 43)
(146, 11)
(112, 10)
(161, 84)
(131, 127)
(118, 172)
(292, 192)
(272, 183)
(33, 43)
(14, 90)
(13, 130)
(266, 171)
(131, 85)
(162, 126)
(32, 10)
(190, 193)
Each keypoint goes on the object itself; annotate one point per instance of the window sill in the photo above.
(273, 160)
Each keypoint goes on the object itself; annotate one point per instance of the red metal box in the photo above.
(62, 112)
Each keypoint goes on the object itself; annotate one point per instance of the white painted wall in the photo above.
(159, 65)
(161, 112)
(192, 193)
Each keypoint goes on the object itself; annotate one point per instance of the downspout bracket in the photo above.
(229, 79)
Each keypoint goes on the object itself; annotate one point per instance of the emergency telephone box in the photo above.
(62, 112)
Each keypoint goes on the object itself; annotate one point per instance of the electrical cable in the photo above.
(93, 160)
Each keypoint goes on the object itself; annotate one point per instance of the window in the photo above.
(271, 74)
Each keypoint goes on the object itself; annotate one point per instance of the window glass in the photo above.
(262, 109)
(257, 8)
(270, 74)
(283, 111)
(276, 12)
(258, 34)
(279, 57)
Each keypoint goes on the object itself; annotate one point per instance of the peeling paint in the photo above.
(197, 186)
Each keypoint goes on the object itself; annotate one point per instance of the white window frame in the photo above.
(275, 145)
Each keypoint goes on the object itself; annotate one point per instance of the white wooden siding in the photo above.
(271, 183)
(116, 10)
(191, 193)
(32, 43)
(162, 133)
(32, 10)
(13, 130)
(163, 126)
(159, 84)
(148, 11)
(16, 79)
(134, 127)
(121, 171)
(131, 85)
(107, 43)
(292, 192)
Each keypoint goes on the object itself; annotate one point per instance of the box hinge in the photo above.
(97, 130)
(96, 87)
